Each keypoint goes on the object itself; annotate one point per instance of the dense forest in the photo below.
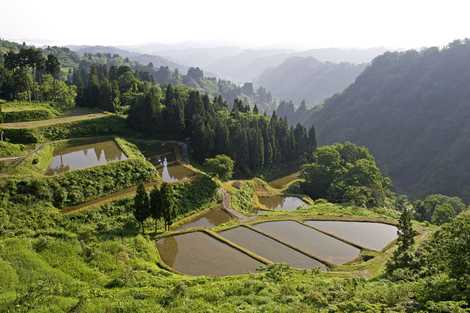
(306, 78)
(255, 141)
(165, 72)
(411, 110)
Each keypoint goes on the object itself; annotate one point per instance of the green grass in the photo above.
(35, 163)
(19, 111)
(8, 149)
(18, 106)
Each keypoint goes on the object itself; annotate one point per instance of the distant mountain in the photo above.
(248, 64)
(306, 78)
(412, 110)
(143, 59)
(243, 65)
(337, 55)
(187, 53)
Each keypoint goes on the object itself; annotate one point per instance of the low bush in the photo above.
(13, 112)
(27, 115)
(10, 149)
(78, 186)
(195, 194)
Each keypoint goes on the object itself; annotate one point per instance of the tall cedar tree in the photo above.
(141, 205)
(168, 204)
(403, 256)
(156, 210)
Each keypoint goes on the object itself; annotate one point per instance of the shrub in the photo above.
(78, 186)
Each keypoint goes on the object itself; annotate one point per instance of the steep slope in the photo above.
(306, 78)
(248, 64)
(412, 110)
(337, 55)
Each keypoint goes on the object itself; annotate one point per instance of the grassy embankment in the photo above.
(21, 111)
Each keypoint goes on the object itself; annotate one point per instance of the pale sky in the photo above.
(299, 24)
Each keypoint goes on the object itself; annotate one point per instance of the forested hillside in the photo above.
(306, 78)
(255, 141)
(412, 110)
(156, 60)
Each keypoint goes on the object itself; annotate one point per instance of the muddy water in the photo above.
(269, 248)
(212, 218)
(83, 156)
(199, 254)
(311, 241)
(282, 203)
(175, 173)
(373, 236)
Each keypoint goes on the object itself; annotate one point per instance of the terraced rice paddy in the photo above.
(269, 248)
(310, 244)
(373, 236)
(310, 241)
(83, 156)
(175, 173)
(212, 218)
(197, 253)
(277, 203)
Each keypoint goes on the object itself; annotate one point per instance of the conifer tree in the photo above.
(403, 256)
(168, 203)
(156, 210)
(141, 205)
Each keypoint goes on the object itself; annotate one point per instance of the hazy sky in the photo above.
(255, 23)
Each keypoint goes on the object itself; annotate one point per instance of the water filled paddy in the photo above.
(373, 236)
(212, 218)
(269, 248)
(157, 151)
(282, 203)
(199, 254)
(85, 155)
(310, 241)
(173, 173)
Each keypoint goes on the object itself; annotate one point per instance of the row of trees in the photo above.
(159, 204)
(29, 75)
(253, 140)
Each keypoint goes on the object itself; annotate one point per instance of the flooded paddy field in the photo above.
(210, 219)
(313, 242)
(73, 157)
(174, 173)
(372, 236)
(284, 203)
(197, 253)
(269, 248)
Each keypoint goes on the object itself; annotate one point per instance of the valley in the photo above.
(119, 193)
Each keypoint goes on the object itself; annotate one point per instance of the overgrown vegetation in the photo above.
(21, 111)
(8, 149)
(345, 173)
(78, 186)
(220, 166)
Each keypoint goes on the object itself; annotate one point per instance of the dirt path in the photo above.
(54, 121)
(226, 205)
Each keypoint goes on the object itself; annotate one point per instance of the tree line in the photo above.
(158, 204)
(254, 141)
(30, 75)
